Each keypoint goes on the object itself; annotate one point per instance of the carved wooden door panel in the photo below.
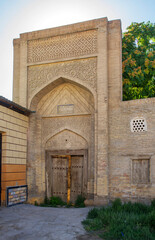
(59, 181)
(76, 177)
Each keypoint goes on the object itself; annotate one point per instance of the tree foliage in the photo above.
(138, 56)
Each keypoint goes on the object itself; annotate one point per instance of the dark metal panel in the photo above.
(16, 187)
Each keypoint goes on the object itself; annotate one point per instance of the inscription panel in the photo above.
(63, 46)
(65, 109)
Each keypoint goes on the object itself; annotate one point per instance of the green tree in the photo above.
(138, 56)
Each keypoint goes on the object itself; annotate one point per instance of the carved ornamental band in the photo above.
(40, 75)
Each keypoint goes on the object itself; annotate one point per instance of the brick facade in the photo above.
(71, 77)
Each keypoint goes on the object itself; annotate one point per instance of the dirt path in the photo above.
(29, 222)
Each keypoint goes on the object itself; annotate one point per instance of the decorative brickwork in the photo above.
(70, 77)
(40, 75)
(63, 46)
(80, 124)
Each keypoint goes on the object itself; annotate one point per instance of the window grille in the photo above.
(138, 125)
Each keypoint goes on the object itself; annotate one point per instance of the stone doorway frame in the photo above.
(83, 152)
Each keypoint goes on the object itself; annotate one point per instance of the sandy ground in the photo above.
(28, 222)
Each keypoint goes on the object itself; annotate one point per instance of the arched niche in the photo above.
(36, 98)
(64, 140)
(66, 99)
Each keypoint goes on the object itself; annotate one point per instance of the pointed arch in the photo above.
(62, 129)
(46, 88)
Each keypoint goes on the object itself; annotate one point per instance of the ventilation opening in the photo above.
(138, 125)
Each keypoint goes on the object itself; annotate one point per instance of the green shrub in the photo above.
(151, 220)
(128, 221)
(80, 201)
(128, 207)
(36, 203)
(140, 208)
(128, 231)
(52, 202)
(46, 201)
(94, 225)
(136, 207)
(70, 204)
(117, 204)
(56, 201)
(93, 213)
(153, 204)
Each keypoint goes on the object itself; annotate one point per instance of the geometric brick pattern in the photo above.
(63, 46)
(120, 157)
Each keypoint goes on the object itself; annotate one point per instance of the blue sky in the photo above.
(18, 16)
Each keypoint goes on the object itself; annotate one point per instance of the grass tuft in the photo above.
(57, 202)
(93, 213)
(80, 201)
(128, 221)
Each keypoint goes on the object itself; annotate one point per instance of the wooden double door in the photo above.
(65, 177)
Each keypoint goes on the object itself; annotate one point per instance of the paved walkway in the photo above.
(28, 222)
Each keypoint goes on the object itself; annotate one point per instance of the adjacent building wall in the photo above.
(132, 153)
(128, 151)
(13, 127)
